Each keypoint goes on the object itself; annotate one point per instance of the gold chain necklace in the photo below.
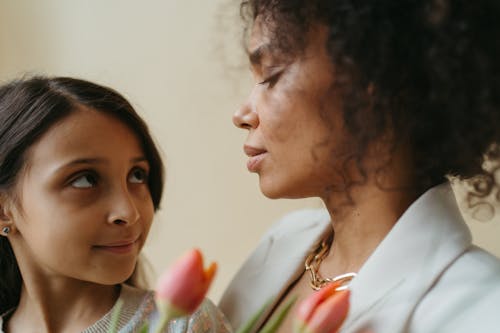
(312, 263)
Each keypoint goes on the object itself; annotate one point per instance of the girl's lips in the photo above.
(254, 162)
(121, 248)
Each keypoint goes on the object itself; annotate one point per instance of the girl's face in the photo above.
(292, 118)
(83, 207)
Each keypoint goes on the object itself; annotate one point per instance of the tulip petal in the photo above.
(210, 272)
(186, 283)
(307, 306)
(329, 315)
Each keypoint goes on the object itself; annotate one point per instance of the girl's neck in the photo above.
(61, 306)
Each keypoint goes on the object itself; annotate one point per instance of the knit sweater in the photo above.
(138, 307)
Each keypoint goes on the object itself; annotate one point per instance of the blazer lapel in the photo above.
(277, 262)
(428, 237)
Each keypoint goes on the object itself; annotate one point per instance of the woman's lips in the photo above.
(254, 162)
(256, 156)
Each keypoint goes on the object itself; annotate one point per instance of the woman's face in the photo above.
(83, 206)
(292, 118)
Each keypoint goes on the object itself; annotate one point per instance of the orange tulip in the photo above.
(182, 288)
(323, 312)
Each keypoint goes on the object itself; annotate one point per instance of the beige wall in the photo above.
(180, 64)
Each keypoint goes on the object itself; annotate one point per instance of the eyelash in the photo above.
(93, 177)
(271, 80)
(143, 172)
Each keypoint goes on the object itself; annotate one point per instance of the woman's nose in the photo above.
(246, 117)
(124, 209)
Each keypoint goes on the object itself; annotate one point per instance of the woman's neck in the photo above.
(366, 211)
(361, 225)
(65, 305)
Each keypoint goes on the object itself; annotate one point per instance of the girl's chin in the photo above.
(117, 276)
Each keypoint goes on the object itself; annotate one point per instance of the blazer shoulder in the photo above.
(465, 298)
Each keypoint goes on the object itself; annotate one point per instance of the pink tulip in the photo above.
(323, 312)
(182, 288)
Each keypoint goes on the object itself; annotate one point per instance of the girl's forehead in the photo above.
(85, 133)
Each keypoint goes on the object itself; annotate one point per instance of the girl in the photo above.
(80, 180)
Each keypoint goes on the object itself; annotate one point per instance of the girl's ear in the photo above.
(6, 221)
(6, 225)
(3, 216)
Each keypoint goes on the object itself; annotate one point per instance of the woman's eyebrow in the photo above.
(256, 55)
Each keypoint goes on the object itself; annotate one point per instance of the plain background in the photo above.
(181, 64)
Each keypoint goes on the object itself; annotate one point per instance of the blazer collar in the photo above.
(429, 236)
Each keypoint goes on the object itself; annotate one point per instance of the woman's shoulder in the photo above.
(275, 263)
(466, 297)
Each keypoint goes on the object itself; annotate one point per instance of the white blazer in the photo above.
(425, 276)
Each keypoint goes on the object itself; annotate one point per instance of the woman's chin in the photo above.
(279, 190)
(286, 188)
(270, 190)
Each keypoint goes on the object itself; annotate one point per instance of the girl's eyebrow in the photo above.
(97, 160)
(139, 159)
(84, 161)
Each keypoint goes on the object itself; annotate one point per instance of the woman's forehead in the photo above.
(265, 40)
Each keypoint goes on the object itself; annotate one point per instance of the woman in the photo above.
(372, 106)
(80, 181)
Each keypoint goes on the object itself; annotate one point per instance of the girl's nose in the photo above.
(124, 210)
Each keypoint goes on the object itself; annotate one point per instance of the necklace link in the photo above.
(312, 263)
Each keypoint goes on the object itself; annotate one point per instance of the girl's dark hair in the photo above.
(28, 109)
(434, 66)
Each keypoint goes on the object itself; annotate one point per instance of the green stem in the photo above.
(248, 326)
(167, 313)
(274, 323)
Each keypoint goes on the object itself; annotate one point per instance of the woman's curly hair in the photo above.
(434, 66)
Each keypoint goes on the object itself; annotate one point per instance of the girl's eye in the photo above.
(271, 80)
(85, 181)
(138, 176)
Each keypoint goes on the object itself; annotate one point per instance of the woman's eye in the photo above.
(271, 80)
(85, 181)
(138, 176)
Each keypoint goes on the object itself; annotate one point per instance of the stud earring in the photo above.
(6, 230)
